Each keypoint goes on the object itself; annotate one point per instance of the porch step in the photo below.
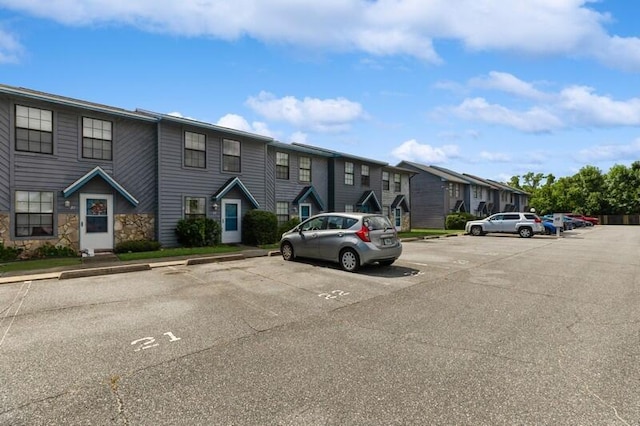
(101, 257)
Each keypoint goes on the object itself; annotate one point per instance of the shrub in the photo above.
(200, 232)
(8, 253)
(49, 250)
(136, 246)
(290, 224)
(259, 227)
(458, 220)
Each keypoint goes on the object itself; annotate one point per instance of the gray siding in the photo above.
(429, 195)
(176, 181)
(288, 189)
(133, 151)
(350, 194)
(5, 150)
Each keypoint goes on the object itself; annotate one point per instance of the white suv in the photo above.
(524, 224)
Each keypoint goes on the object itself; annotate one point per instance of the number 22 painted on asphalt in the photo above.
(150, 342)
(333, 294)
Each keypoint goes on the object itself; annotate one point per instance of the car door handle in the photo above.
(340, 234)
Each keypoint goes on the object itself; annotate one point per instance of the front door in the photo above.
(96, 221)
(398, 218)
(231, 224)
(305, 212)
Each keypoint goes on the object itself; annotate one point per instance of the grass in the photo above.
(176, 252)
(26, 265)
(427, 232)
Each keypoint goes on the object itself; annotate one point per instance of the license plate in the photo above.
(387, 241)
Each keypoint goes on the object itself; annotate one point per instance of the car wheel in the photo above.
(525, 232)
(349, 260)
(386, 262)
(476, 231)
(287, 251)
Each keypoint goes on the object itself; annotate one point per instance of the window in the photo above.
(477, 191)
(348, 173)
(230, 155)
(34, 214)
(195, 150)
(364, 175)
(305, 169)
(282, 165)
(348, 208)
(397, 182)
(34, 130)
(385, 181)
(282, 211)
(96, 139)
(194, 207)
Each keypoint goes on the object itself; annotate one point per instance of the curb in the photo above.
(134, 267)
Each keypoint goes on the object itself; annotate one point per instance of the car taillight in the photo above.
(363, 234)
(538, 220)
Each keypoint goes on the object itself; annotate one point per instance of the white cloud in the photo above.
(590, 109)
(10, 48)
(534, 120)
(382, 27)
(508, 83)
(300, 137)
(321, 115)
(411, 150)
(611, 152)
(495, 157)
(234, 121)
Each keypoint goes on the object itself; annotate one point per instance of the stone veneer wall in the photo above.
(131, 227)
(67, 235)
(406, 221)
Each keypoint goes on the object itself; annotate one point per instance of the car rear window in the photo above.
(377, 222)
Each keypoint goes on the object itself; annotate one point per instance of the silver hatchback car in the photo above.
(351, 239)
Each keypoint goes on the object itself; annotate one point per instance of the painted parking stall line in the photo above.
(20, 295)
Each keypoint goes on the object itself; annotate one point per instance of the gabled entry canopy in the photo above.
(231, 184)
(369, 198)
(98, 171)
(400, 201)
(309, 192)
(459, 207)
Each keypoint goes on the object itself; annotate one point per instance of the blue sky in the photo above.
(494, 88)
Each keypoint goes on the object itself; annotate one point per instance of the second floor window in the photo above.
(305, 169)
(348, 173)
(364, 175)
(195, 150)
(397, 182)
(230, 155)
(282, 165)
(34, 130)
(194, 207)
(385, 181)
(97, 139)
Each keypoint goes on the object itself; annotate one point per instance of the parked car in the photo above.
(568, 222)
(523, 224)
(350, 239)
(591, 220)
(550, 228)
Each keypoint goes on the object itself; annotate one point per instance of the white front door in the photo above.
(231, 223)
(96, 221)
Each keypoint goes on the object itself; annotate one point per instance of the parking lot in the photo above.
(462, 330)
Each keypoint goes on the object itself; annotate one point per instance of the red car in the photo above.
(592, 220)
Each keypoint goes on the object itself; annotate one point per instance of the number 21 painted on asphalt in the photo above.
(150, 342)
